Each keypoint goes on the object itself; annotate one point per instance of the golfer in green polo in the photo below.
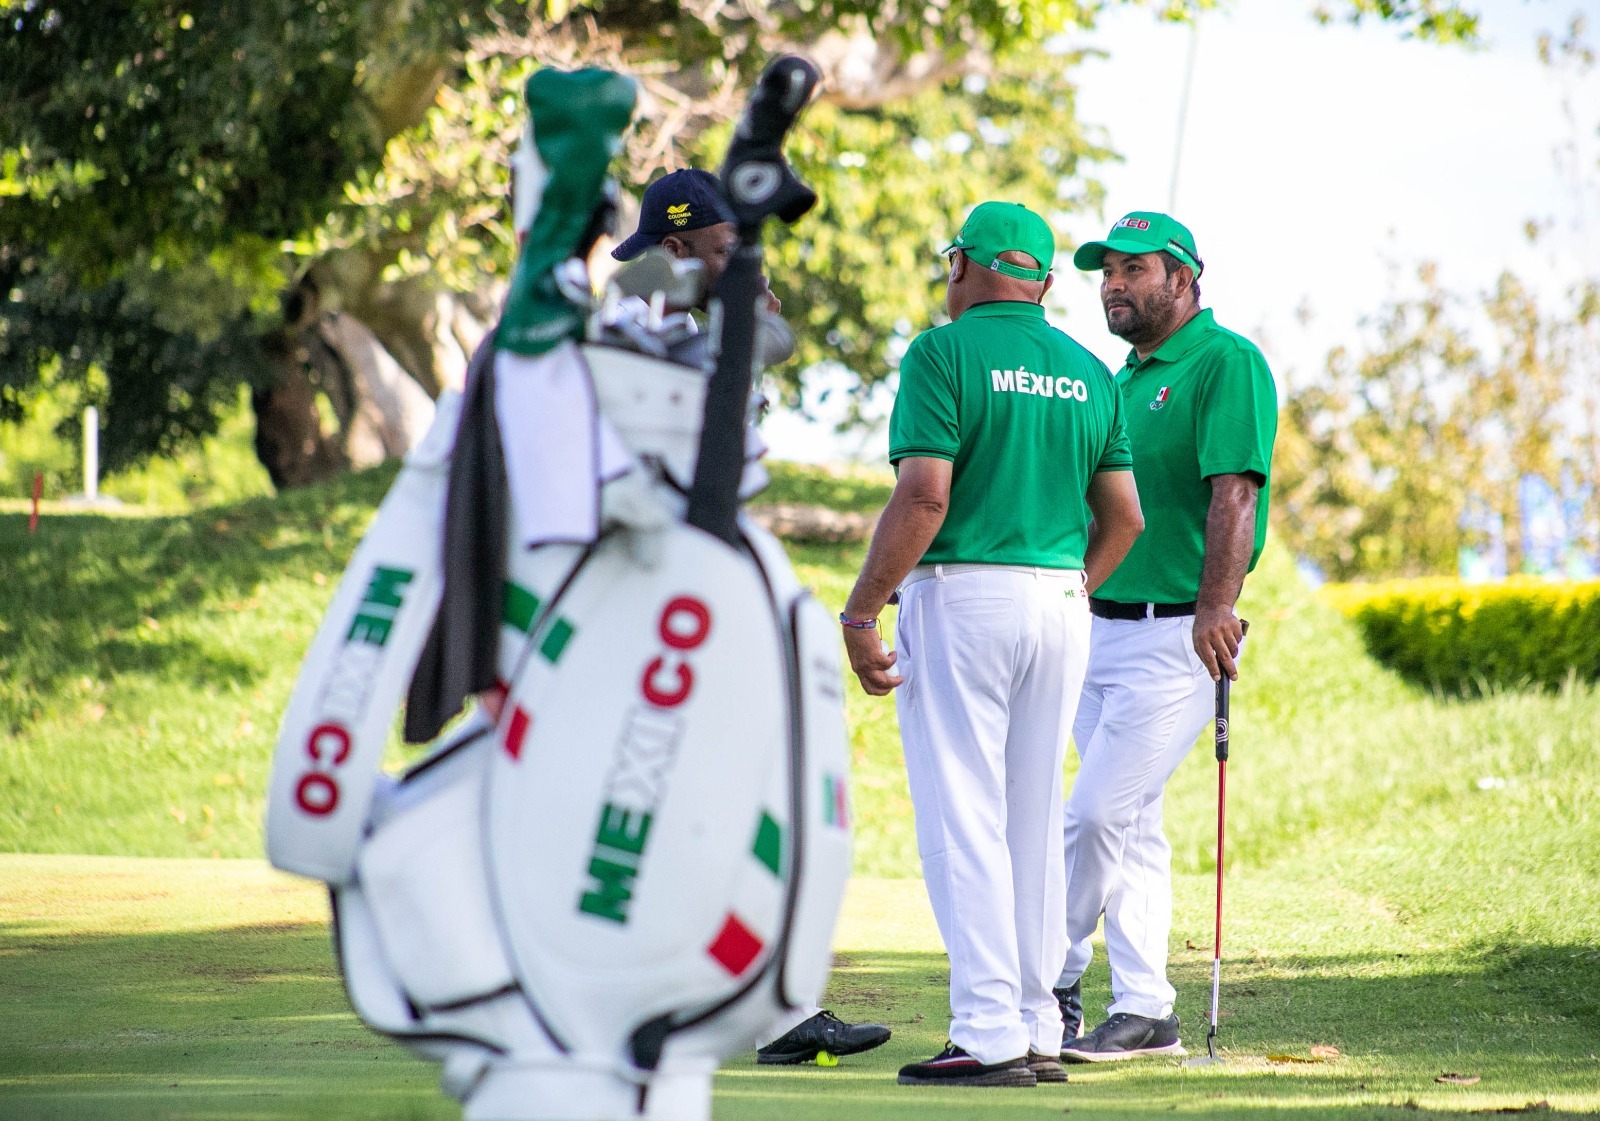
(1202, 414)
(1006, 435)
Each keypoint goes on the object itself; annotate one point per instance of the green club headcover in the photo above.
(577, 120)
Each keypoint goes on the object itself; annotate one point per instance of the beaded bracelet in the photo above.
(858, 624)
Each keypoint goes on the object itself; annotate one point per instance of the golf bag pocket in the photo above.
(374, 990)
(655, 406)
(330, 747)
(467, 1035)
(422, 872)
(638, 795)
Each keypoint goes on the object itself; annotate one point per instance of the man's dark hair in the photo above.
(1170, 262)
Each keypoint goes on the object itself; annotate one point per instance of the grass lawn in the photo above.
(1414, 880)
(199, 989)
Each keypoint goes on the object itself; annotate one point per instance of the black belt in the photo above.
(1111, 609)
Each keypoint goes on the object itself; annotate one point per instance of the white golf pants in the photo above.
(994, 659)
(1146, 697)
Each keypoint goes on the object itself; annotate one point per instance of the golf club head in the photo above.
(680, 282)
(755, 175)
(1209, 1059)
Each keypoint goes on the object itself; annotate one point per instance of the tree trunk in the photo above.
(290, 440)
(814, 523)
(374, 409)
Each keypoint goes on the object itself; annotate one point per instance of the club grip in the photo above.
(1222, 719)
(1222, 705)
(784, 88)
(755, 176)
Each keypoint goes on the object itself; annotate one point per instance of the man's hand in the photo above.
(870, 661)
(1217, 635)
(774, 305)
(908, 526)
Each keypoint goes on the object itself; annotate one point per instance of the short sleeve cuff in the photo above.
(1253, 465)
(913, 451)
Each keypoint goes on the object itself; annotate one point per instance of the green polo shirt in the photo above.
(1203, 404)
(1026, 417)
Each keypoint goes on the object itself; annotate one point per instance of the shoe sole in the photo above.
(1175, 1048)
(1017, 1076)
(795, 1058)
(1048, 1072)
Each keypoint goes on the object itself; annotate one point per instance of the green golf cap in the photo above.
(994, 228)
(1143, 231)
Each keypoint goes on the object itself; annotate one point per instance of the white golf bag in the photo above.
(583, 906)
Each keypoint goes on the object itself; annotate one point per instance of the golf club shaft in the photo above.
(1222, 809)
(1216, 991)
(1216, 954)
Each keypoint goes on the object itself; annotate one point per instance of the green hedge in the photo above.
(1470, 638)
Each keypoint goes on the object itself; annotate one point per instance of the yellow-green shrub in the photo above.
(1467, 638)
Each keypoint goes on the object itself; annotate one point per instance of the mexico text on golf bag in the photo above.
(584, 903)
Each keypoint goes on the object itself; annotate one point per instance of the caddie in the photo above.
(1202, 414)
(1005, 435)
(685, 213)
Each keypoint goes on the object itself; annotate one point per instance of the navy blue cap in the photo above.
(684, 200)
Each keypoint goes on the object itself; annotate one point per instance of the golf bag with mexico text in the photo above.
(582, 903)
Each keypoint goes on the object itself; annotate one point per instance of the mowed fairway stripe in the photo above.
(139, 988)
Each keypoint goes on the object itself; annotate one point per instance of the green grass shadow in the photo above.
(251, 1022)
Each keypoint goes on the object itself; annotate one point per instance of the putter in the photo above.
(1210, 1057)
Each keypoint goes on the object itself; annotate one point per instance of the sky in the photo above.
(1319, 167)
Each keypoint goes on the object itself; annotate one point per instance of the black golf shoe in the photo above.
(823, 1032)
(1046, 1068)
(1071, 1001)
(954, 1067)
(1125, 1036)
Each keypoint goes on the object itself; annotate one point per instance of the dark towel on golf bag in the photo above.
(458, 659)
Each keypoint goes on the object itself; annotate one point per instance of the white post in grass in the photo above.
(91, 453)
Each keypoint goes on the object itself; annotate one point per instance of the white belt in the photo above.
(940, 571)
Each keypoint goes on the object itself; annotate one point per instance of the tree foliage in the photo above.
(919, 116)
(1379, 460)
(168, 171)
(140, 127)
(1404, 452)
(154, 158)
(1442, 21)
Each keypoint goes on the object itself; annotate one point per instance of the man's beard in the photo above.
(1139, 321)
